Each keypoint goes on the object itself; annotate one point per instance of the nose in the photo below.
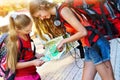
(42, 17)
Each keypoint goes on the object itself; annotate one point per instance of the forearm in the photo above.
(24, 64)
(75, 37)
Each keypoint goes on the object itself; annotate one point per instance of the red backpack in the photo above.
(100, 14)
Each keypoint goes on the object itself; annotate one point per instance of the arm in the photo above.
(36, 62)
(68, 16)
(75, 23)
(38, 55)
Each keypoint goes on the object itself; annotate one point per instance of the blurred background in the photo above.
(9, 6)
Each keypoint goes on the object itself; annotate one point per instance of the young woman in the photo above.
(23, 63)
(44, 13)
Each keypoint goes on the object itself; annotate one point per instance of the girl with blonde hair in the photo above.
(45, 26)
(44, 14)
(23, 66)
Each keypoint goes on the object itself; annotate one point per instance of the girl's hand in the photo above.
(39, 55)
(60, 46)
(38, 62)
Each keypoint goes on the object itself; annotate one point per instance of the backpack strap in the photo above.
(33, 44)
(34, 51)
(23, 50)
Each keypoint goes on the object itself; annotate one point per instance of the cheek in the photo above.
(48, 16)
(28, 31)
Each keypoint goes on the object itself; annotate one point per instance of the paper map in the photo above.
(51, 52)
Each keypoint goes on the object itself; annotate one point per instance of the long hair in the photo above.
(16, 23)
(45, 26)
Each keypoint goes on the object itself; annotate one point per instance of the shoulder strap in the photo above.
(23, 49)
(33, 44)
(34, 47)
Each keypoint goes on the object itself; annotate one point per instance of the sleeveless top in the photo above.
(71, 30)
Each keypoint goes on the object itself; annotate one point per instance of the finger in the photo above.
(60, 49)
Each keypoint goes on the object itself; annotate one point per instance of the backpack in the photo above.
(99, 14)
(8, 74)
(95, 21)
(93, 33)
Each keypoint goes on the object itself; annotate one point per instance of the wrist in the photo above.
(32, 63)
(64, 41)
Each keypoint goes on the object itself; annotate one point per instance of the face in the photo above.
(42, 14)
(26, 30)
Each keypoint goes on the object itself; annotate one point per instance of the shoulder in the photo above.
(62, 7)
(64, 10)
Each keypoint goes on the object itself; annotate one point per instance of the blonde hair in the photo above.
(16, 22)
(44, 26)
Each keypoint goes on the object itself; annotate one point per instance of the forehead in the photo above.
(38, 13)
